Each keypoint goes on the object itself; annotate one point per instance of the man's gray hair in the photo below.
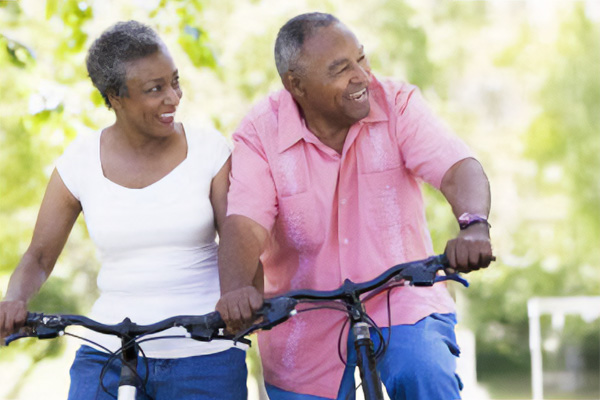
(292, 36)
(107, 56)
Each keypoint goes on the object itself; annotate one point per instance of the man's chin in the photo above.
(360, 114)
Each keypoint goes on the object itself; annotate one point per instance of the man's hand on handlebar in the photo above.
(12, 317)
(470, 250)
(238, 307)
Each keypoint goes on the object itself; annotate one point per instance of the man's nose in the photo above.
(361, 74)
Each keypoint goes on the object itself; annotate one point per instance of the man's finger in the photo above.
(462, 256)
(256, 301)
(451, 255)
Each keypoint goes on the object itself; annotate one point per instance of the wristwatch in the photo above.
(468, 219)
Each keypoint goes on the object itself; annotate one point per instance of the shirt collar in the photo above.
(291, 124)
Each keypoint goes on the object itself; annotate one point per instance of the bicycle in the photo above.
(274, 312)
(347, 298)
(200, 327)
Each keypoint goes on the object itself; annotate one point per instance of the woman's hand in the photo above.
(12, 317)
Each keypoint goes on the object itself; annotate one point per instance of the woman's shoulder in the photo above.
(208, 149)
(205, 137)
(83, 146)
(84, 142)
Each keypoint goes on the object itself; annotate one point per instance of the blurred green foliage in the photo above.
(563, 139)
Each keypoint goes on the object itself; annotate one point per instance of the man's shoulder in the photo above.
(393, 91)
(265, 117)
(267, 107)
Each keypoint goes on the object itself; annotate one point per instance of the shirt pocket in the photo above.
(381, 196)
(301, 221)
(378, 151)
(290, 171)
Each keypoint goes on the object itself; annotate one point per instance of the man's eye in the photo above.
(343, 69)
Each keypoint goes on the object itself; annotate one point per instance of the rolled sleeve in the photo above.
(252, 192)
(429, 148)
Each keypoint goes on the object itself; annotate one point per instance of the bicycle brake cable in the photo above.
(114, 356)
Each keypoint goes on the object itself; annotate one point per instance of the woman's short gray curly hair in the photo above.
(107, 56)
(292, 36)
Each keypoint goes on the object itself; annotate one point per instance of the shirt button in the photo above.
(343, 201)
(346, 241)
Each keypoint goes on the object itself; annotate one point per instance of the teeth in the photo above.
(357, 95)
(167, 115)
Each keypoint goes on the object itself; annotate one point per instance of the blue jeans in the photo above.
(216, 376)
(419, 363)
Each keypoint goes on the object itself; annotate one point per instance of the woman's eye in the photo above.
(155, 89)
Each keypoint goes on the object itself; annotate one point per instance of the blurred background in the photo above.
(519, 81)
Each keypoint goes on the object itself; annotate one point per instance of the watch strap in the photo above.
(468, 219)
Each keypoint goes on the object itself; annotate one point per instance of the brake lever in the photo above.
(419, 276)
(241, 335)
(452, 277)
(206, 335)
(16, 336)
(37, 331)
(273, 312)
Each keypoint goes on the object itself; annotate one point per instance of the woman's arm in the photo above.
(58, 213)
(218, 194)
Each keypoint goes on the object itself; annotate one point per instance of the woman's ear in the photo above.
(114, 99)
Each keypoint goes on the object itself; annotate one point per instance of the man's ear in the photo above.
(293, 83)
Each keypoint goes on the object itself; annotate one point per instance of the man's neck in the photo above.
(330, 134)
(331, 138)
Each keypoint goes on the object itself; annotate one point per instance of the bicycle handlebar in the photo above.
(47, 326)
(418, 273)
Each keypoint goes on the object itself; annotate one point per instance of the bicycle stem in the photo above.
(363, 344)
(129, 377)
(365, 360)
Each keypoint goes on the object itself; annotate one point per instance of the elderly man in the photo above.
(324, 187)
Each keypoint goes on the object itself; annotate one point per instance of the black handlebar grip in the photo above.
(443, 260)
(214, 320)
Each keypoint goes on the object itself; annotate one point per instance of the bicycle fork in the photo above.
(365, 360)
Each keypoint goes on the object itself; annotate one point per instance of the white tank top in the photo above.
(156, 245)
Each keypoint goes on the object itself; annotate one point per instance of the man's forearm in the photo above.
(240, 272)
(240, 247)
(467, 188)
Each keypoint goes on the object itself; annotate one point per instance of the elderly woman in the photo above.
(153, 194)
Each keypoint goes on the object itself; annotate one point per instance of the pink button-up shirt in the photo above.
(335, 216)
